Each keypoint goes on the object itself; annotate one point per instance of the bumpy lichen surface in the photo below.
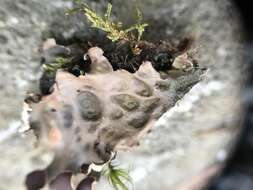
(85, 118)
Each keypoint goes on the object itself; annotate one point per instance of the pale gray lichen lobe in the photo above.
(87, 117)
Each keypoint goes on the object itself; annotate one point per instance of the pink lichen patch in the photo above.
(104, 110)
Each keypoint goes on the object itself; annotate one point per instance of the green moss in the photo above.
(117, 176)
(115, 30)
(60, 62)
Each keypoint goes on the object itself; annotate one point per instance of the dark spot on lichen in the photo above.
(3, 39)
(138, 120)
(79, 138)
(53, 110)
(93, 128)
(102, 150)
(67, 116)
(162, 85)
(77, 130)
(89, 106)
(86, 147)
(126, 101)
(36, 127)
(85, 168)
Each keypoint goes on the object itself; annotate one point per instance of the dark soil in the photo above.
(120, 55)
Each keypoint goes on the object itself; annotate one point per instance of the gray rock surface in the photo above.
(187, 139)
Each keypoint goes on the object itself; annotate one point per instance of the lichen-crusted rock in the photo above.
(87, 117)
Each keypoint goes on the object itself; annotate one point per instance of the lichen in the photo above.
(78, 121)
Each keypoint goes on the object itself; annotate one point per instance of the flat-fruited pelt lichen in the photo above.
(87, 118)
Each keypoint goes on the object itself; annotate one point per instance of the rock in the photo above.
(213, 27)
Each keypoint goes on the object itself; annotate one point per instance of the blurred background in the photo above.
(194, 136)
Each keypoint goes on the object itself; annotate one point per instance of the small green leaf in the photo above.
(108, 12)
(117, 177)
(114, 30)
(60, 62)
